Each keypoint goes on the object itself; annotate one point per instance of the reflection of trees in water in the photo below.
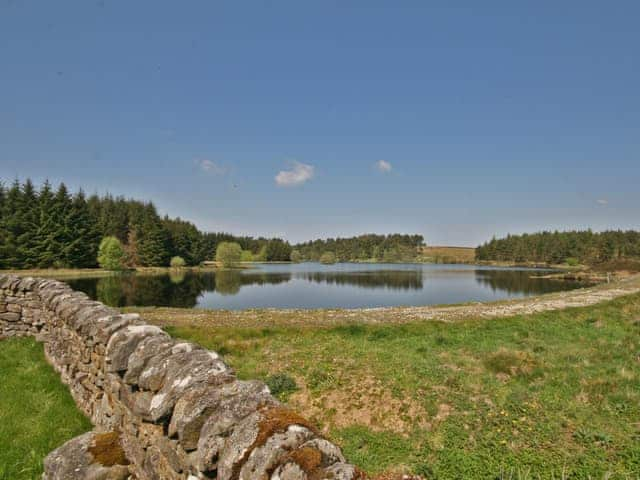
(394, 279)
(176, 289)
(182, 289)
(513, 281)
(145, 290)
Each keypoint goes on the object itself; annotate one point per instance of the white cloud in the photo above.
(383, 166)
(602, 201)
(211, 167)
(297, 175)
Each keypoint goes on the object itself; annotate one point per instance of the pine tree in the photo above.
(3, 228)
(45, 247)
(82, 249)
(13, 226)
(153, 240)
(27, 212)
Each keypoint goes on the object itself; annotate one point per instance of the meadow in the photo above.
(547, 395)
(536, 396)
(37, 413)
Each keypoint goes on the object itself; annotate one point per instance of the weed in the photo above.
(281, 385)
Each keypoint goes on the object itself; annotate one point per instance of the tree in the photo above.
(228, 254)
(328, 258)
(82, 248)
(110, 254)
(296, 256)
(177, 262)
(131, 250)
(278, 251)
(153, 239)
(246, 256)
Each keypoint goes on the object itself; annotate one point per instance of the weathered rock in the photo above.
(10, 316)
(230, 402)
(153, 374)
(122, 344)
(92, 456)
(200, 367)
(155, 347)
(265, 458)
(277, 427)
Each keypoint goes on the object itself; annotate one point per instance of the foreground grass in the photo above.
(37, 413)
(548, 395)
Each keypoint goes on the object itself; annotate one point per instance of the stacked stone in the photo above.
(19, 308)
(177, 410)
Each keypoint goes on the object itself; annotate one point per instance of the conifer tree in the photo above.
(82, 249)
(13, 226)
(27, 213)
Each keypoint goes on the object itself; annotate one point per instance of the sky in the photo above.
(455, 120)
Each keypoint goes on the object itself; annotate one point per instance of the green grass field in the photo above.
(551, 395)
(37, 413)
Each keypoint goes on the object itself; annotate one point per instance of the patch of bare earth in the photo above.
(363, 402)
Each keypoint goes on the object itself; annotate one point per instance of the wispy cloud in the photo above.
(602, 201)
(383, 166)
(211, 167)
(297, 175)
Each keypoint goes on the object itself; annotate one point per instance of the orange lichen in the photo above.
(107, 450)
(275, 419)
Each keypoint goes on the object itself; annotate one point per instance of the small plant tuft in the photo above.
(281, 385)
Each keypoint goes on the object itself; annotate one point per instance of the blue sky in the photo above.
(456, 120)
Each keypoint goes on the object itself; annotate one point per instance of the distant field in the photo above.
(448, 254)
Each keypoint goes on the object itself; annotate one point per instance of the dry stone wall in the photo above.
(162, 408)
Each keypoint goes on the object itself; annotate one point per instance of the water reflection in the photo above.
(521, 282)
(313, 286)
(393, 279)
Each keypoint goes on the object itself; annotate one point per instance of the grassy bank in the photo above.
(37, 413)
(537, 396)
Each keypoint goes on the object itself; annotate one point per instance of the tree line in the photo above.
(369, 247)
(585, 247)
(51, 227)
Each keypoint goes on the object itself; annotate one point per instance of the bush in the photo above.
(111, 254)
(281, 384)
(177, 262)
(328, 258)
(572, 262)
(246, 256)
(228, 254)
(296, 256)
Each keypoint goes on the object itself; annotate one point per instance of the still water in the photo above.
(312, 285)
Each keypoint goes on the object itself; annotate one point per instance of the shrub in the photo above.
(296, 256)
(246, 256)
(228, 254)
(328, 258)
(111, 254)
(177, 262)
(572, 262)
(281, 384)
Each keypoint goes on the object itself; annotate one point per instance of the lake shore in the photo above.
(390, 315)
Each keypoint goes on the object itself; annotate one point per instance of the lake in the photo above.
(312, 285)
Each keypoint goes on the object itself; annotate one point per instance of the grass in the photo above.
(548, 395)
(448, 254)
(37, 413)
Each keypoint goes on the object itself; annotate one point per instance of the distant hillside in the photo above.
(571, 247)
(448, 254)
